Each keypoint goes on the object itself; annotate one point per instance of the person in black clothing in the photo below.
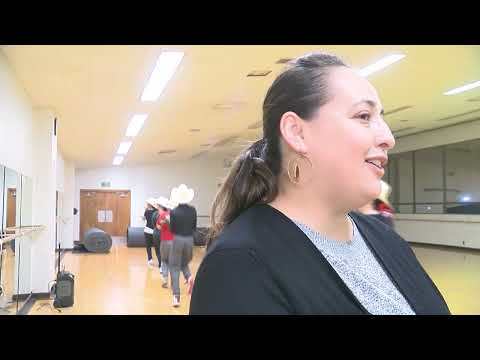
(183, 223)
(283, 239)
(149, 231)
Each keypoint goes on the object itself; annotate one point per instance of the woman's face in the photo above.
(348, 140)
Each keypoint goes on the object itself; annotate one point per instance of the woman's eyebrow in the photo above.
(370, 103)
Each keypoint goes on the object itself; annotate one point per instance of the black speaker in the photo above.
(64, 290)
(64, 286)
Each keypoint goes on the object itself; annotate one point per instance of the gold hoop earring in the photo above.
(293, 168)
(296, 177)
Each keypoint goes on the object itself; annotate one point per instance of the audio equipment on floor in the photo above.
(64, 286)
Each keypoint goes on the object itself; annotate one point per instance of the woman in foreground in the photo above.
(285, 239)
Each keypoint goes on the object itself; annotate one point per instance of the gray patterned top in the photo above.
(358, 268)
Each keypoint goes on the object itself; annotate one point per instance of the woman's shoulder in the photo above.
(261, 230)
(242, 233)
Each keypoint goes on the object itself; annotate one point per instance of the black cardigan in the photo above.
(262, 263)
(183, 220)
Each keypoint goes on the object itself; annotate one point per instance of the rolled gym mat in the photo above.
(97, 241)
(135, 237)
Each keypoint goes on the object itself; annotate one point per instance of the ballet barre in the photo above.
(13, 233)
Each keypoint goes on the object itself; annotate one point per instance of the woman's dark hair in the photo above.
(253, 178)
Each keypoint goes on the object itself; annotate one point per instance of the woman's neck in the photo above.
(317, 214)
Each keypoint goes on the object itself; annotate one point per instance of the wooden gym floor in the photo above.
(121, 283)
(8, 306)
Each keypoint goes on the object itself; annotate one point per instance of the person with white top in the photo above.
(148, 231)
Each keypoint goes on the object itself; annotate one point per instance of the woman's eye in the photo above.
(365, 117)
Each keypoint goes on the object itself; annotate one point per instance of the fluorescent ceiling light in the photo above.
(117, 160)
(167, 63)
(380, 64)
(135, 125)
(463, 88)
(124, 147)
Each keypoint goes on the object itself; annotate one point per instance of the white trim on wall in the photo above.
(437, 137)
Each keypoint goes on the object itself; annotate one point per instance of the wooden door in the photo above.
(107, 210)
(123, 213)
(88, 211)
(110, 210)
(100, 210)
(11, 208)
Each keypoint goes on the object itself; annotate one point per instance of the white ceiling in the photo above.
(95, 90)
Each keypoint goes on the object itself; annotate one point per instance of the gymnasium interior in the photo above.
(88, 133)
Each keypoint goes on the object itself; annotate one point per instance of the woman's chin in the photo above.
(371, 193)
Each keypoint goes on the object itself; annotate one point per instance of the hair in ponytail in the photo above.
(253, 178)
(248, 182)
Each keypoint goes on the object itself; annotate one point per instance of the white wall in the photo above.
(68, 234)
(27, 146)
(443, 229)
(60, 176)
(16, 150)
(66, 196)
(448, 135)
(43, 245)
(202, 175)
(60, 172)
(16, 123)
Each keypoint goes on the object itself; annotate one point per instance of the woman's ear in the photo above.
(291, 129)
